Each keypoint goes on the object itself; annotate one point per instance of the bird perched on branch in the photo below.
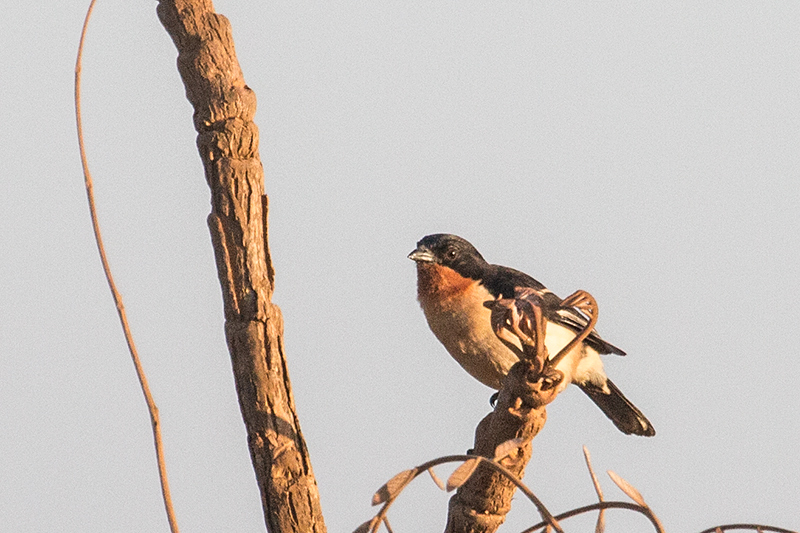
(454, 281)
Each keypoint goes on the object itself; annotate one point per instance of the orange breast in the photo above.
(437, 284)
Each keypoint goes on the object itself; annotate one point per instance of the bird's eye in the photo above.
(451, 254)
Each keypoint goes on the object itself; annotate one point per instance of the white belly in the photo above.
(582, 364)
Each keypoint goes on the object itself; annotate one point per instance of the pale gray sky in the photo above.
(646, 152)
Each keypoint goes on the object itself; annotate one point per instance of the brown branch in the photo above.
(391, 490)
(228, 144)
(148, 397)
(754, 527)
(601, 506)
(481, 504)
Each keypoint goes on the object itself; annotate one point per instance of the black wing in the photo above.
(576, 321)
(501, 281)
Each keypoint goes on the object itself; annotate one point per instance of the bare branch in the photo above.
(373, 524)
(123, 318)
(599, 506)
(227, 140)
(484, 499)
(753, 527)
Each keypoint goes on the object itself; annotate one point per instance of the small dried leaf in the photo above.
(367, 526)
(595, 481)
(506, 448)
(462, 474)
(392, 488)
(436, 479)
(627, 488)
(600, 527)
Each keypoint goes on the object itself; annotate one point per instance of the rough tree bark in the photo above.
(482, 503)
(228, 143)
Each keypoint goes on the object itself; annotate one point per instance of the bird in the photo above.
(453, 283)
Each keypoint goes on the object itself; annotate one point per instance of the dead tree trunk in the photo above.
(228, 143)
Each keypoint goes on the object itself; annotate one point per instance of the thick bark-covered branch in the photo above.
(227, 139)
(481, 504)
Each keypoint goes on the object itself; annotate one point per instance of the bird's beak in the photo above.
(421, 255)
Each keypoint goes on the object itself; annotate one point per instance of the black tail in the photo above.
(619, 409)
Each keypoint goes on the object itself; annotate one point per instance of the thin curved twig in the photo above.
(756, 527)
(151, 405)
(548, 518)
(546, 515)
(604, 505)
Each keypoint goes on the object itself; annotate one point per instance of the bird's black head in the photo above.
(450, 251)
